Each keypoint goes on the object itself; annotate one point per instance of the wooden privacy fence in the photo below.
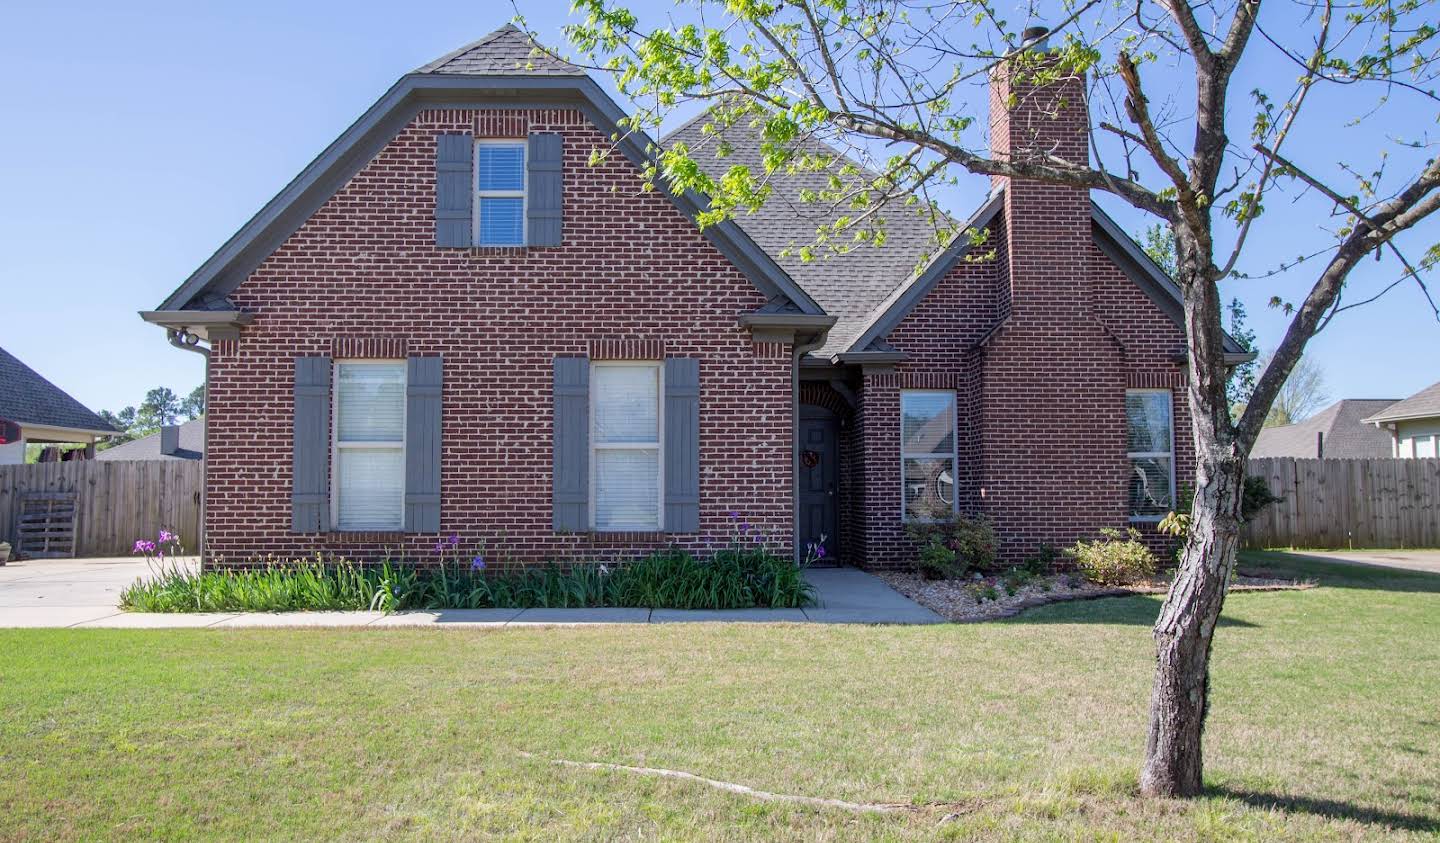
(1348, 503)
(117, 501)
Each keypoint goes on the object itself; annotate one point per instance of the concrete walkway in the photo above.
(84, 593)
(1427, 561)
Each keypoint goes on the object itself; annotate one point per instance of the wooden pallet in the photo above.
(46, 525)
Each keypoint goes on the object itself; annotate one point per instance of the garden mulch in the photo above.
(968, 600)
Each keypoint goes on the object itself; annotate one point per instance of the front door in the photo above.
(819, 503)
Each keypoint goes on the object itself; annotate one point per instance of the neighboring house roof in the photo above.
(1347, 436)
(1422, 405)
(192, 445)
(29, 399)
(848, 285)
(502, 64)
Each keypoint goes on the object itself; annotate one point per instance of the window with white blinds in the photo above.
(499, 193)
(369, 482)
(625, 427)
(1150, 441)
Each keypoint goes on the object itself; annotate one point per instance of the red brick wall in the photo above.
(363, 274)
(1041, 398)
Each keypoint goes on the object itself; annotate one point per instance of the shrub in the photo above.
(938, 561)
(1254, 498)
(1257, 496)
(1116, 558)
(983, 591)
(1041, 562)
(1017, 578)
(952, 546)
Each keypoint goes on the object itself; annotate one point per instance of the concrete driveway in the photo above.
(1427, 561)
(86, 593)
(65, 592)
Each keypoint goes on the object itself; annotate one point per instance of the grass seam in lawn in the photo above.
(731, 787)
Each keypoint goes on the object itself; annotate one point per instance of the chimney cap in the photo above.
(1035, 36)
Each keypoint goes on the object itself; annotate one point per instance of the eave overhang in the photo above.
(208, 325)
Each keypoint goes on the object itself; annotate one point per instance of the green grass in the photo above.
(1325, 725)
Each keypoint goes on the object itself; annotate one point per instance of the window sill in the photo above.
(603, 537)
(1146, 519)
(338, 535)
(503, 251)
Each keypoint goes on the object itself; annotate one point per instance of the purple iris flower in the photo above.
(454, 540)
(477, 564)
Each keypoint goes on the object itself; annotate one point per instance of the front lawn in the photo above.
(1325, 725)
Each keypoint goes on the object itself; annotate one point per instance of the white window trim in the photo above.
(522, 193)
(658, 446)
(1132, 455)
(954, 452)
(336, 445)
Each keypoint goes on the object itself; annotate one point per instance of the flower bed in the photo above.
(992, 598)
(747, 573)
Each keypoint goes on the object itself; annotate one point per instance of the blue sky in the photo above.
(140, 136)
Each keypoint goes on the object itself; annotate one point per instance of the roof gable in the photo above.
(505, 51)
(29, 399)
(474, 76)
(1422, 405)
(1108, 236)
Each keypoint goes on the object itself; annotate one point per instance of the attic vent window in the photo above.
(500, 193)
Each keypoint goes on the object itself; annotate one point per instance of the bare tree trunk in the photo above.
(1185, 631)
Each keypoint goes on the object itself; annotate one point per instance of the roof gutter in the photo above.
(1390, 420)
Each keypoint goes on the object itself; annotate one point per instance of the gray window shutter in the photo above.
(682, 445)
(544, 191)
(310, 459)
(454, 156)
(422, 445)
(571, 469)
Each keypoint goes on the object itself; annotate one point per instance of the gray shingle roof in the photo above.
(506, 51)
(192, 446)
(1422, 405)
(848, 286)
(1347, 436)
(29, 399)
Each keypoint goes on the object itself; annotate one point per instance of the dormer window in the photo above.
(500, 193)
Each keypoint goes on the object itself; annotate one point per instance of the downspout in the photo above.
(800, 349)
(186, 341)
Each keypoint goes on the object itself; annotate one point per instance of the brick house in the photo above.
(453, 322)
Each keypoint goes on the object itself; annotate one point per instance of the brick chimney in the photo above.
(1048, 226)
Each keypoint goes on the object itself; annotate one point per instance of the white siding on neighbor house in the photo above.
(1418, 438)
(12, 454)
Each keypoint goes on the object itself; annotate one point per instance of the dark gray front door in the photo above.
(819, 502)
